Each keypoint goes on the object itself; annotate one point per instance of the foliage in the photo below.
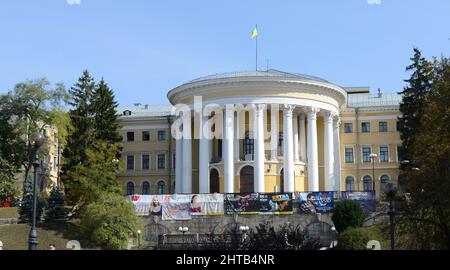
(26, 205)
(55, 205)
(109, 222)
(427, 218)
(355, 239)
(347, 214)
(8, 188)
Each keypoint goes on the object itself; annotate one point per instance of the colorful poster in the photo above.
(147, 204)
(176, 207)
(206, 204)
(275, 203)
(315, 202)
(241, 203)
(366, 199)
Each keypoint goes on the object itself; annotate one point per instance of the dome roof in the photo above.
(268, 73)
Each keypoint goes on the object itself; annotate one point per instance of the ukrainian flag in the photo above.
(254, 33)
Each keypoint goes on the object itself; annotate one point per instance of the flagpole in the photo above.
(256, 48)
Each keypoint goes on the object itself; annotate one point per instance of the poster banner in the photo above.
(315, 202)
(176, 207)
(275, 203)
(206, 204)
(147, 204)
(241, 203)
(366, 199)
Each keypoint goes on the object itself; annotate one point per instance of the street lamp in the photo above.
(373, 156)
(335, 236)
(37, 139)
(391, 191)
(244, 230)
(139, 238)
(183, 230)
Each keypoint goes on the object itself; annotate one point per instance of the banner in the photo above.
(241, 203)
(206, 204)
(176, 207)
(366, 199)
(275, 203)
(147, 204)
(315, 202)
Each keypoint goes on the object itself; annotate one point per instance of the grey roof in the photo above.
(366, 100)
(267, 73)
(146, 110)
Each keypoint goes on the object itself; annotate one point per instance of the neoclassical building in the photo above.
(283, 132)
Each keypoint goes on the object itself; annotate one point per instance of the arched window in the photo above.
(130, 188)
(249, 145)
(161, 187)
(280, 144)
(145, 188)
(367, 182)
(384, 179)
(349, 183)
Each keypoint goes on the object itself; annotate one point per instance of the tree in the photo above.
(97, 174)
(427, 218)
(110, 221)
(355, 239)
(26, 205)
(55, 205)
(412, 105)
(347, 214)
(8, 187)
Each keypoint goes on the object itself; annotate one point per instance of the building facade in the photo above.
(261, 131)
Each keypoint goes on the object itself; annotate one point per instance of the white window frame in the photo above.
(149, 161)
(379, 153)
(362, 155)
(157, 161)
(353, 150)
(134, 161)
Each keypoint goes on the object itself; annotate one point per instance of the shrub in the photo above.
(355, 239)
(109, 221)
(55, 205)
(347, 214)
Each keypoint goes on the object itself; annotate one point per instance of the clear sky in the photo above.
(145, 48)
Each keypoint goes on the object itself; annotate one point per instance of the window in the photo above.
(126, 112)
(398, 125)
(348, 154)
(130, 162)
(146, 135)
(384, 180)
(382, 127)
(145, 188)
(130, 136)
(348, 127)
(367, 182)
(249, 145)
(349, 183)
(174, 159)
(145, 161)
(399, 153)
(55, 163)
(366, 151)
(130, 188)
(365, 127)
(161, 135)
(219, 148)
(280, 144)
(161, 187)
(161, 161)
(384, 154)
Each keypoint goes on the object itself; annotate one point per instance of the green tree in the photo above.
(110, 221)
(26, 206)
(55, 205)
(427, 217)
(8, 187)
(355, 239)
(347, 214)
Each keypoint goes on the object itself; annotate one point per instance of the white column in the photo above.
(328, 151)
(302, 138)
(204, 157)
(295, 119)
(288, 150)
(178, 162)
(236, 136)
(274, 131)
(313, 162)
(187, 158)
(258, 124)
(227, 152)
(337, 154)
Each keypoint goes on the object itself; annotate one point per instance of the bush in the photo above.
(347, 214)
(109, 221)
(355, 239)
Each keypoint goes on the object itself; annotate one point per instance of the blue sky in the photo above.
(145, 48)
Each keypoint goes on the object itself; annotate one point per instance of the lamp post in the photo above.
(183, 230)
(139, 238)
(391, 191)
(37, 139)
(335, 236)
(244, 230)
(373, 156)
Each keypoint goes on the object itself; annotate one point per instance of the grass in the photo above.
(9, 212)
(15, 236)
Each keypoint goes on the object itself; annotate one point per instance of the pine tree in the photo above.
(26, 206)
(55, 205)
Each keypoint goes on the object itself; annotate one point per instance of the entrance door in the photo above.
(214, 185)
(247, 179)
